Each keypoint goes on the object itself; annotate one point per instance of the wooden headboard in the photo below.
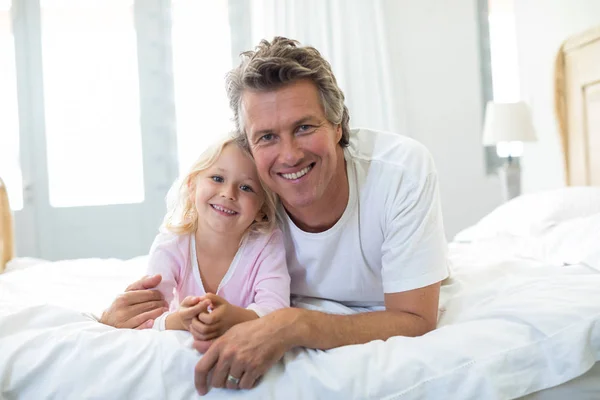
(577, 103)
(6, 228)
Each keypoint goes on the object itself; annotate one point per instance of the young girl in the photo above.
(220, 254)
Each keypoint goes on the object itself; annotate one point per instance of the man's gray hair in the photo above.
(282, 61)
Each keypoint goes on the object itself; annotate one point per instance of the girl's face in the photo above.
(228, 195)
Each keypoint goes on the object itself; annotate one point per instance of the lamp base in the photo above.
(510, 179)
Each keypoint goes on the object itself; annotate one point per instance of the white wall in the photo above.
(435, 47)
(542, 26)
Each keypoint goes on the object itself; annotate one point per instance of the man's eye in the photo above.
(217, 178)
(266, 138)
(247, 188)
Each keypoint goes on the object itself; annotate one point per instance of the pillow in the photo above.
(576, 241)
(533, 213)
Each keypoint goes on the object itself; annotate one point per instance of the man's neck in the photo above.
(326, 211)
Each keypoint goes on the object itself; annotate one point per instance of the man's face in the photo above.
(295, 148)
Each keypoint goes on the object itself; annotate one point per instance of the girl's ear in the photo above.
(260, 216)
(191, 185)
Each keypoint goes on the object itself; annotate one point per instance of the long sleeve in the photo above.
(163, 260)
(272, 284)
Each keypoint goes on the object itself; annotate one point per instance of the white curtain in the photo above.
(352, 36)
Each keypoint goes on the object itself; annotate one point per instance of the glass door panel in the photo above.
(91, 100)
(201, 58)
(10, 169)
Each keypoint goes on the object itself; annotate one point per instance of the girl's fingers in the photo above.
(202, 331)
(208, 318)
(215, 300)
(192, 311)
(190, 301)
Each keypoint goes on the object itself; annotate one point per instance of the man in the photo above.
(360, 214)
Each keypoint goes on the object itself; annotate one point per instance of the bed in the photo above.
(518, 318)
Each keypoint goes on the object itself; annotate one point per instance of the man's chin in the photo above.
(298, 202)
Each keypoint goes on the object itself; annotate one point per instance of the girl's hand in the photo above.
(211, 325)
(189, 309)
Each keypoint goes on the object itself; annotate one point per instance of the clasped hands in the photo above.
(205, 317)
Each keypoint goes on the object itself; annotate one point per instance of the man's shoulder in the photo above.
(390, 153)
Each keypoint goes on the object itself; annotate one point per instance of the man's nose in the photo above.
(291, 154)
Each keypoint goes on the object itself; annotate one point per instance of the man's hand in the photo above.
(246, 351)
(223, 315)
(138, 307)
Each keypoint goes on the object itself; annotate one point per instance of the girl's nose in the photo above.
(228, 192)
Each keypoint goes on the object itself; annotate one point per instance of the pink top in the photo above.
(257, 278)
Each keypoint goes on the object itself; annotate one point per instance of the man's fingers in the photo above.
(145, 317)
(202, 369)
(147, 282)
(146, 325)
(237, 371)
(145, 307)
(247, 381)
(220, 371)
(137, 297)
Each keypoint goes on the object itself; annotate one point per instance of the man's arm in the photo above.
(248, 350)
(411, 313)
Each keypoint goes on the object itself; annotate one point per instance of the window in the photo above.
(499, 62)
(503, 46)
(201, 58)
(91, 100)
(10, 169)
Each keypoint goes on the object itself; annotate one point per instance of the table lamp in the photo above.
(507, 126)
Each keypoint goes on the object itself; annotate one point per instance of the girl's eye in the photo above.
(246, 188)
(217, 178)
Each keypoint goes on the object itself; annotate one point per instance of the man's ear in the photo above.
(338, 133)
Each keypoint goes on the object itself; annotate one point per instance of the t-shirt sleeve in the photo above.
(163, 260)
(414, 251)
(272, 284)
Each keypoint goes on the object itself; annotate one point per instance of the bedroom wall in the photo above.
(435, 47)
(542, 26)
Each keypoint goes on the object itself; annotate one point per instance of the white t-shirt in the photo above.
(391, 236)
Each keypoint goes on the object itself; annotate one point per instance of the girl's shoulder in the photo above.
(262, 240)
(171, 242)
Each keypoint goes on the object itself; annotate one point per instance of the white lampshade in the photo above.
(507, 122)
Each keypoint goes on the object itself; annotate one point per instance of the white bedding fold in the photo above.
(505, 330)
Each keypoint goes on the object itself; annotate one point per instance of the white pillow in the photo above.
(533, 213)
(576, 241)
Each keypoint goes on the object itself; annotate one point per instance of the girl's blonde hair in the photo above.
(182, 216)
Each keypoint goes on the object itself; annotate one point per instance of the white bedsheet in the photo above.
(508, 327)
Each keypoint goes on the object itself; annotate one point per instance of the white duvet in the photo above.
(508, 327)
